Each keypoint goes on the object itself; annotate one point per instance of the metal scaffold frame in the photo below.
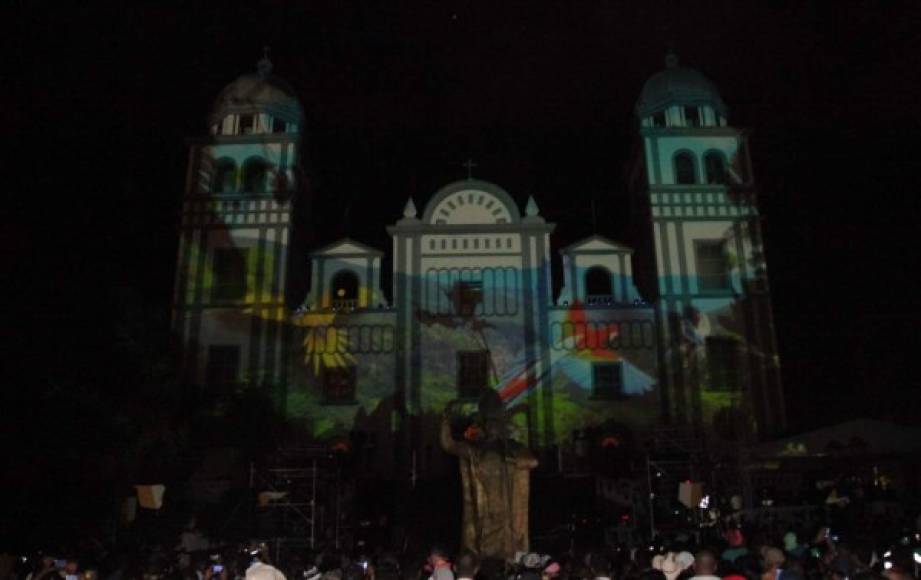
(310, 494)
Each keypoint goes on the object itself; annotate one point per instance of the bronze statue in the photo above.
(495, 482)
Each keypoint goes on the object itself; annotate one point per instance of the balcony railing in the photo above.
(345, 303)
(600, 300)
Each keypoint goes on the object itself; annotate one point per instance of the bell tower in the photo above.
(696, 198)
(229, 303)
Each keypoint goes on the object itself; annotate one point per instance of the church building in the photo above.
(674, 329)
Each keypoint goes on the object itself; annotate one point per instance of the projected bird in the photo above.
(522, 379)
(586, 342)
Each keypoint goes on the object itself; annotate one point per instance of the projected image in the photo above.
(474, 317)
(345, 371)
(471, 303)
(720, 358)
(233, 296)
(603, 367)
(597, 366)
(229, 305)
(468, 313)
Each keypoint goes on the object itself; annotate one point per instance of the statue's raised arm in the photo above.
(448, 443)
(523, 459)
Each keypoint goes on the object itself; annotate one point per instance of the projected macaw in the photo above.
(588, 344)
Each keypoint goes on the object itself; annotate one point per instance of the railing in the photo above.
(600, 300)
(345, 303)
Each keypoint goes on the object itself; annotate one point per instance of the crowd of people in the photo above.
(731, 556)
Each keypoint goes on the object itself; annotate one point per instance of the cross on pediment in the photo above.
(469, 164)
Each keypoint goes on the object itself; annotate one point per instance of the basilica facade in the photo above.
(675, 329)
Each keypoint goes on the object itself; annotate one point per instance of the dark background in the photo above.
(99, 99)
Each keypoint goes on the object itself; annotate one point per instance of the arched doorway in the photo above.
(598, 286)
(344, 290)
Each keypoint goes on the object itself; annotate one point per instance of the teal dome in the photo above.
(677, 85)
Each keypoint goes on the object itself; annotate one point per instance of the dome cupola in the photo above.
(257, 94)
(680, 88)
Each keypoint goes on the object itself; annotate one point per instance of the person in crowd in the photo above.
(44, 568)
(733, 574)
(551, 570)
(773, 560)
(532, 565)
(8, 563)
(360, 570)
(898, 564)
(215, 569)
(387, 567)
(492, 569)
(868, 575)
(466, 566)
(749, 566)
(685, 562)
(259, 567)
(792, 546)
(651, 574)
(672, 564)
(704, 566)
(191, 542)
(599, 566)
(737, 547)
(440, 563)
(71, 569)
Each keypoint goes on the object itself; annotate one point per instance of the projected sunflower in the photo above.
(325, 344)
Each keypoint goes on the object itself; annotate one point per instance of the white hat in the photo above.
(685, 559)
(263, 572)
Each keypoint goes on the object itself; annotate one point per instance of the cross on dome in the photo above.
(671, 59)
(264, 66)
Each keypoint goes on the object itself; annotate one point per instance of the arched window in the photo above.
(225, 176)
(716, 167)
(254, 175)
(598, 286)
(344, 290)
(229, 274)
(247, 124)
(684, 169)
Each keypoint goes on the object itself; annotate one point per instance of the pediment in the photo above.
(347, 246)
(596, 244)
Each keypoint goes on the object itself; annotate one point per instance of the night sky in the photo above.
(101, 98)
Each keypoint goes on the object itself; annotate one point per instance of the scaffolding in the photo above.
(298, 500)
